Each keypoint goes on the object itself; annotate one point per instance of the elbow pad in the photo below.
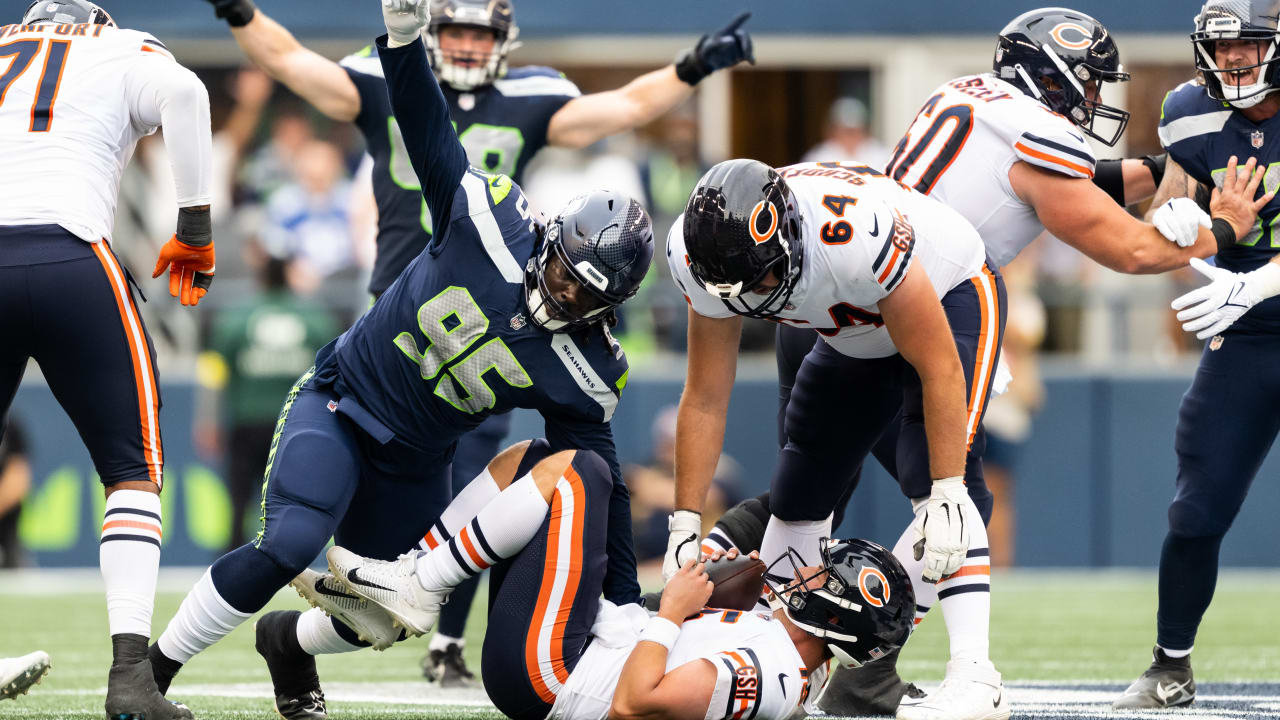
(1109, 175)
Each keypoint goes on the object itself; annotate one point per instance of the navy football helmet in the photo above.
(859, 601)
(741, 224)
(1249, 20)
(497, 16)
(604, 240)
(1055, 55)
(66, 12)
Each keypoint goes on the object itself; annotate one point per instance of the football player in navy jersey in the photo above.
(502, 116)
(1229, 418)
(496, 313)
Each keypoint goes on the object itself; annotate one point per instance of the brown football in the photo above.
(738, 582)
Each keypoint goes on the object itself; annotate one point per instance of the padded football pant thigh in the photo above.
(313, 470)
(15, 328)
(544, 600)
(1227, 423)
(838, 409)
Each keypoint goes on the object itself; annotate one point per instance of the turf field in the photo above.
(1066, 641)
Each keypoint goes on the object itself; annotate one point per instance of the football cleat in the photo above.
(370, 623)
(970, 691)
(393, 586)
(132, 693)
(19, 674)
(294, 681)
(1166, 684)
(447, 668)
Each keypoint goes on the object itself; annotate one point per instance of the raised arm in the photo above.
(586, 119)
(317, 79)
(420, 109)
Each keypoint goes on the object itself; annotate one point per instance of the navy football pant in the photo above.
(69, 305)
(1227, 423)
(840, 408)
(537, 632)
(326, 477)
(475, 450)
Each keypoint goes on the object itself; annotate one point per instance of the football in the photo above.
(738, 582)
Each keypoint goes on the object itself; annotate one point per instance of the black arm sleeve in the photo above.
(420, 109)
(620, 583)
(1109, 175)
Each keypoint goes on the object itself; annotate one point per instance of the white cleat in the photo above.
(971, 691)
(19, 674)
(393, 586)
(370, 623)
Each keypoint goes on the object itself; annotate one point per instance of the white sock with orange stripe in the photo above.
(965, 597)
(926, 593)
(478, 493)
(129, 556)
(500, 530)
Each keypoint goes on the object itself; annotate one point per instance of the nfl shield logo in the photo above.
(1255, 138)
(467, 101)
(1215, 343)
(517, 321)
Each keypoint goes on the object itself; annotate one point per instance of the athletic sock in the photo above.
(926, 593)
(500, 530)
(965, 597)
(478, 493)
(1175, 654)
(129, 556)
(318, 636)
(441, 642)
(203, 619)
(801, 536)
(717, 540)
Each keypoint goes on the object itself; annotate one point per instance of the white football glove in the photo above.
(1180, 220)
(944, 529)
(683, 544)
(1211, 309)
(404, 20)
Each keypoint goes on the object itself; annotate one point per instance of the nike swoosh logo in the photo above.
(875, 228)
(351, 575)
(1164, 693)
(782, 680)
(1235, 291)
(1075, 136)
(323, 588)
(996, 703)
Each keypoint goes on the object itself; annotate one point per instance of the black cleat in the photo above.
(293, 670)
(447, 668)
(873, 689)
(162, 668)
(1166, 684)
(131, 685)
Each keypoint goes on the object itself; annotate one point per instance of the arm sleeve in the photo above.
(162, 93)
(420, 109)
(620, 583)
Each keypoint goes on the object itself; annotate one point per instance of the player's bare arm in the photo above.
(1081, 215)
(317, 79)
(644, 689)
(589, 118)
(704, 404)
(1176, 184)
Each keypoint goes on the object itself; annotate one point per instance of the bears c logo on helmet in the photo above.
(1059, 35)
(867, 592)
(753, 226)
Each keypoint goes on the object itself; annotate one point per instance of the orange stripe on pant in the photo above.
(143, 373)
(559, 525)
(984, 364)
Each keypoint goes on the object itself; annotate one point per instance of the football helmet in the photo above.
(605, 241)
(859, 601)
(67, 12)
(497, 16)
(741, 224)
(1054, 55)
(1237, 20)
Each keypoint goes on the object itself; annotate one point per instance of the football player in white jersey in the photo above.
(78, 94)
(911, 315)
(561, 651)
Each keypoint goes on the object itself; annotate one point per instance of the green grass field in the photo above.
(1066, 642)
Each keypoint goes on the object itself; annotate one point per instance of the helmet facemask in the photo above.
(480, 70)
(1071, 96)
(545, 310)
(1215, 24)
(800, 599)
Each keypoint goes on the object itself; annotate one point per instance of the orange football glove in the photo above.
(190, 269)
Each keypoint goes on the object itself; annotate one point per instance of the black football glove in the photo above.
(721, 49)
(237, 13)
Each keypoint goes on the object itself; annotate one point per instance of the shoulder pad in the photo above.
(365, 62)
(1188, 112)
(535, 80)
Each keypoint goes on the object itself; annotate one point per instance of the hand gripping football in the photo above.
(738, 582)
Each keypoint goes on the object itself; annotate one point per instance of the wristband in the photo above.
(195, 227)
(660, 630)
(1109, 175)
(1156, 163)
(1223, 233)
(689, 68)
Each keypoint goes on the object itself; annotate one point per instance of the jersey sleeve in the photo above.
(738, 692)
(1187, 119)
(537, 93)
(423, 115)
(678, 261)
(1054, 144)
(876, 261)
(365, 72)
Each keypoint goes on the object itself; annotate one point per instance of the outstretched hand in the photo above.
(404, 19)
(1234, 201)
